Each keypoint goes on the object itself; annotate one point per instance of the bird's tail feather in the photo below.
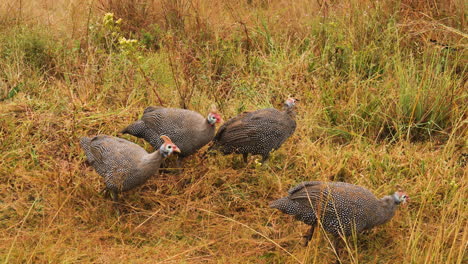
(285, 205)
(136, 129)
(85, 142)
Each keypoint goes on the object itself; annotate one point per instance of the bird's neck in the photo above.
(152, 161)
(386, 210)
(209, 128)
(208, 124)
(289, 111)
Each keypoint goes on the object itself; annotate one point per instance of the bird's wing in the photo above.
(153, 117)
(234, 122)
(313, 192)
(248, 127)
(317, 195)
(302, 185)
(160, 119)
(151, 109)
(112, 153)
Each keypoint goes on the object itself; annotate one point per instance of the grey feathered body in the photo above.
(256, 133)
(123, 165)
(341, 207)
(189, 130)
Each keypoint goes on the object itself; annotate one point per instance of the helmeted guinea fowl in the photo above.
(124, 165)
(340, 208)
(257, 132)
(188, 129)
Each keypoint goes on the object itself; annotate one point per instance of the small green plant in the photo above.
(109, 35)
(128, 47)
(106, 33)
(152, 37)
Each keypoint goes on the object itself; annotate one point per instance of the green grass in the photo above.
(381, 106)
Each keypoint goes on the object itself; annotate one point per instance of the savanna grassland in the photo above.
(383, 104)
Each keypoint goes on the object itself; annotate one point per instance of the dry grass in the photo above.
(383, 105)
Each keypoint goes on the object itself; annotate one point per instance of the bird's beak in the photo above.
(405, 204)
(407, 201)
(176, 149)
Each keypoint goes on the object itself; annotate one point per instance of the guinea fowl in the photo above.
(257, 132)
(124, 165)
(340, 208)
(188, 129)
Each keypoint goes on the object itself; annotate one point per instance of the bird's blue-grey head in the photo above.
(400, 197)
(213, 118)
(168, 147)
(290, 102)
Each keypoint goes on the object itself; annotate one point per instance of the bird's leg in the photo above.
(163, 167)
(115, 197)
(366, 232)
(245, 155)
(336, 248)
(265, 158)
(179, 162)
(308, 235)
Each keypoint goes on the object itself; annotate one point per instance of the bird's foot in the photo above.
(308, 236)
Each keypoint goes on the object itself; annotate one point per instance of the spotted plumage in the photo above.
(342, 208)
(123, 165)
(257, 132)
(188, 129)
